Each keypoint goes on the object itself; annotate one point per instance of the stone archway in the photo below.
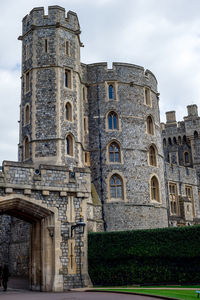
(43, 275)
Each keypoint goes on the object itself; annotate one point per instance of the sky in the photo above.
(160, 35)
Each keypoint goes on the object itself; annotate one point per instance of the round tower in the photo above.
(51, 118)
(125, 142)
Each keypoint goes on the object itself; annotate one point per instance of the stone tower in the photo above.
(51, 119)
(127, 165)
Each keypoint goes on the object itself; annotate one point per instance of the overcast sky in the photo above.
(160, 35)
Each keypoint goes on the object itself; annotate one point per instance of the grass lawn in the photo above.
(178, 294)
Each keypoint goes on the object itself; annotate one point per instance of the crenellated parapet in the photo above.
(56, 18)
(124, 72)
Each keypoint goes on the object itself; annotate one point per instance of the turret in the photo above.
(50, 123)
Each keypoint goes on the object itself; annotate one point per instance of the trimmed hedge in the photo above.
(168, 256)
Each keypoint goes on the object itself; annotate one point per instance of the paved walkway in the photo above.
(28, 295)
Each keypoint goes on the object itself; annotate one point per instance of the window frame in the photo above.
(116, 186)
(112, 114)
(27, 120)
(69, 145)
(114, 153)
(152, 188)
(68, 79)
(150, 127)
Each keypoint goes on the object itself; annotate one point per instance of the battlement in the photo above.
(129, 73)
(56, 17)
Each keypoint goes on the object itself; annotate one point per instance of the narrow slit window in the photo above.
(27, 81)
(67, 48)
(68, 79)
(46, 45)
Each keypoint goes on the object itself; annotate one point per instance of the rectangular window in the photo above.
(67, 52)
(87, 159)
(188, 192)
(27, 81)
(68, 79)
(45, 45)
(173, 197)
(27, 51)
(85, 124)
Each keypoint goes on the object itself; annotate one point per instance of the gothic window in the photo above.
(26, 148)
(186, 157)
(27, 114)
(111, 91)
(114, 153)
(169, 141)
(68, 111)
(152, 156)
(173, 197)
(116, 187)
(113, 121)
(68, 79)
(27, 81)
(149, 122)
(147, 96)
(155, 189)
(69, 145)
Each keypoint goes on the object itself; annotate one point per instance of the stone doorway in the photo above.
(38, 222)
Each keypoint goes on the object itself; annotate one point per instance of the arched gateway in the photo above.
(51, 200)
(44, 267)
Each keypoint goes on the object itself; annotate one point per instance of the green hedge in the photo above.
(170, 255)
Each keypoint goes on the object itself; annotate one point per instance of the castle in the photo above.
(91, 143)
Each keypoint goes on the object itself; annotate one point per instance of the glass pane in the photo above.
(111, 157)
(112, 191)
(119, 192)
(111, 92)
(117, 157)
(115, 121)
(110, 122)
(112, 182)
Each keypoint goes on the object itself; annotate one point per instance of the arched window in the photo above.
(116, 187)
(26, 148)
(113, 121)
(169, 141)
(186, 157)
(150, 125)
(164, 142)
(68, 111)
(111, 91)
(174, 140)
(114, 152)
(147, 96)
(179, 140)
(69, 145)
(27, 114)
(152, 156)
(155, 189)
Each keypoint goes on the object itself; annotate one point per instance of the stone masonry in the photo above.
(92, 148)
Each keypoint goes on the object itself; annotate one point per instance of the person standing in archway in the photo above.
(5, 275)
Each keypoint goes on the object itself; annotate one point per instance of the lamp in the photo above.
(80, 225)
